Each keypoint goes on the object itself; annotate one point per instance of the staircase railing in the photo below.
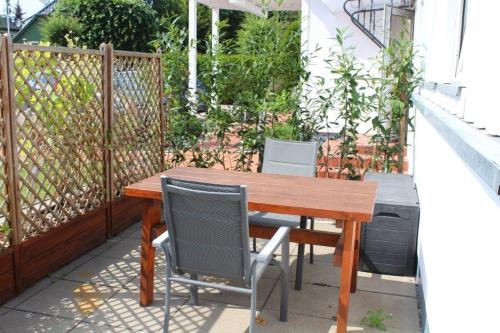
(368, 16)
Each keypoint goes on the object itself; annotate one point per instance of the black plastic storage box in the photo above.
(389, 243)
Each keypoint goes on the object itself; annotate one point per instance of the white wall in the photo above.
(437, 34)
(320, 20)
(458, 238)
(460, 215)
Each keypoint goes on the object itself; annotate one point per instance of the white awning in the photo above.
(248, 5)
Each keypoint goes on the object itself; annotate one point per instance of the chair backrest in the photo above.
(208, 228)
(291, 158)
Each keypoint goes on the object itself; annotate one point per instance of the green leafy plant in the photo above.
(400, 77)
(128, 24)
(59, 28)
(349, 99)
(5, 229)
(183, 127)
(376, 319)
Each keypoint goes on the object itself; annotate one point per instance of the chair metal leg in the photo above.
(167, 298)
(254, 244)
(311, 247)
(194, 290)
(300, 257)
(285, 267)
(253, 303)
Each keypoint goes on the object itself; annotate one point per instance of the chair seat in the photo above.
(273, 219)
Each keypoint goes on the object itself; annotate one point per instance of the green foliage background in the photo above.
(128, 24)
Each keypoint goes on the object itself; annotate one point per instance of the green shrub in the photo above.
(128, 24)
(58, 29)
(282, 130)
(231, 67)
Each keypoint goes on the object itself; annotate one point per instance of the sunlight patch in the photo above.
(88, 298)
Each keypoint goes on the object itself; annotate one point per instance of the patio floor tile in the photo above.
(26, 322)
(323, 273)
(322, 302)
(210, 317)
(61, 273)
(106, 271)
(97, 328)
(33, 290)
(126, 248)
(3, 310)
(104, 246)
(300, 324)
(133, 231)
(68, 299)
(123, 310)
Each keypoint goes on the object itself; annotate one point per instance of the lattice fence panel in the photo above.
(59, 103)
(136, 138)
(5, 233)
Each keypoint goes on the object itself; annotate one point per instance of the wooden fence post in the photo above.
(108, 131)
(9, 110)
(162, 112)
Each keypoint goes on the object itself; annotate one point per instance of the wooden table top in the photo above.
(306, 196)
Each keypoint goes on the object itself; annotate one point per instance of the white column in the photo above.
(215, 46)
(215, 27)
(193, 26)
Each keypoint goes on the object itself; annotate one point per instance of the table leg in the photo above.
(150, 217)
(300, 258)
(354, 276)
(346, 274)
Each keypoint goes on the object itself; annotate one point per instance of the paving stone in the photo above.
(301, 324)
(3, 310)
(104, 246)
(322, 302)
(96, 328)
(33, 290)
(61, 273)
(123, 310)
(126, 248)
(26, 322)
(68, 299)
(210, 317)
(106, 271)
(324, 273)
(132, 231)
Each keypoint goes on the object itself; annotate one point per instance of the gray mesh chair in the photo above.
(207, 234)
(295, 159)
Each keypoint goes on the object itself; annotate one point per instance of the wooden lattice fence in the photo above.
(5, 225)
(76, 126)
(136, 120)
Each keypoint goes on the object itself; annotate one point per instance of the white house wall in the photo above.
(460, 213)
(458, 238)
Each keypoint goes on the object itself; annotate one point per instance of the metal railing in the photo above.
(369, 16)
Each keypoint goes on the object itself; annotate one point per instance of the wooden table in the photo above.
(349, 201)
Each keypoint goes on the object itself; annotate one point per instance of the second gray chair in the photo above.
(291, 158)
(207, 234)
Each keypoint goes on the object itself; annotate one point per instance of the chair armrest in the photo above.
(160, 240)
(266, 255)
